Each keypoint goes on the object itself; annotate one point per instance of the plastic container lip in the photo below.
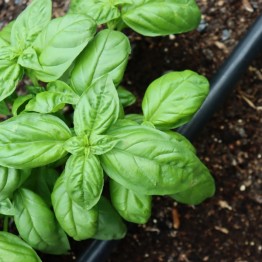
(221, 84)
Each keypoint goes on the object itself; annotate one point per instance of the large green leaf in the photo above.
(107, 54)
(132, 206)
(10, 74)
(84, 179)
(10, 180)
(102, 11)
(150, 161)
(37, 225)
(164, 17)
(31, 140)
(57, 46)
(30, 23)
(57, 95)
(98, 108)
(15, 249)
(172, 100)
(110, 224)
(79, 223)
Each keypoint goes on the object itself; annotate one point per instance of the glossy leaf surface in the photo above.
(30, 23)
(15, 249)
(164, 17)
(10, 180)
(57, 95)
(36, 223)
(77, 222)
(150, 161)
(107, 54)
(126, 97)
(132, 206)
(101, 11)
(172, 100)
(57, 46)
(97, 108)
(110, 224)
(84, 179)
(31, 140)
(6, 207)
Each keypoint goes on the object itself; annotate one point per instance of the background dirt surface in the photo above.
(227, 227)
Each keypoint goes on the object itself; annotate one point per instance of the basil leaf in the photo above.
(84, 179)
(196, 194)
(101, 144)
(10, 75)
(77, 145)
(107, 54)
(172, 100)
(6, 207)
(135, 117)
(150, 161)
(30, 23)
(98, 108)
(42, 182)
(31, 140)
(4, 110)
(126, 97)
(156, 18)
(57, 46)
(79, 223)
(110, 224)
(5, 33)
(184, 142)
(15, 249)
(36, 223)
(132, 206)
(19, 103)
(10, 180)
(101, 11)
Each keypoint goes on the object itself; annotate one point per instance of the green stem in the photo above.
(6, 223)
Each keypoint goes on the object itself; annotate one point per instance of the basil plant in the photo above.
(69, 140)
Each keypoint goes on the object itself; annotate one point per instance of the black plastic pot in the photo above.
(222, 84)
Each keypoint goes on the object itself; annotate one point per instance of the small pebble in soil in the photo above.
(202, 26)
(242, 188)
(225, 35)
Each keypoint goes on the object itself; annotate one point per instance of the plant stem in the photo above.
(5, 227)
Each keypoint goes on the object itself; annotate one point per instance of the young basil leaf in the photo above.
(164, 17)
(77, 145)
(101, 11)
(101, 144)
(196, 194)
(31, 140)
(4, 110)
(132, 206)
(98, 108)
(37, 225)
(126, 97)
(84, 179)
(76, 221)
(57, 46)
(110, 224)
(6, 207)
(30, 23)
(107, 54)
(57, 95)
(10, 75)
(150, 161)
(42, 182)
(10, 180)
(19, 103)
(15, 249)
(172, 100)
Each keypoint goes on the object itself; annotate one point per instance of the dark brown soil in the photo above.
(227, 227)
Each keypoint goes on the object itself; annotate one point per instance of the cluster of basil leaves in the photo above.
(138, 155)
